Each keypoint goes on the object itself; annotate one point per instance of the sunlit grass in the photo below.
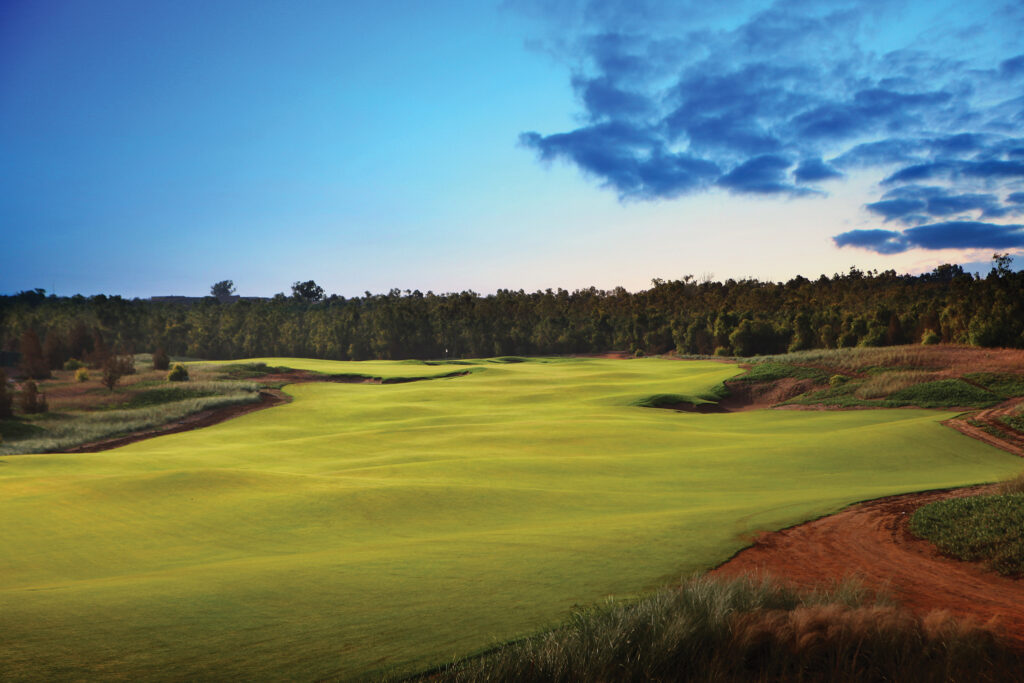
(370, 528)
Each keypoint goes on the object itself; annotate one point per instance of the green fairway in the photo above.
(364, 528)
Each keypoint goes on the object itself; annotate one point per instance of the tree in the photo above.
(223, 289)
(31, 400)
(5, 397)
(33, 363)
(308, 291)
(116, 366)
(161, 361)
(1002, 263)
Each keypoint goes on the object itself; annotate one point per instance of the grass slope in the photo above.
(368, 528)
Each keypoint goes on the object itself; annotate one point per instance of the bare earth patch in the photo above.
(870, 541)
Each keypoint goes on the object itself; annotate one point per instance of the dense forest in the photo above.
(743, 318)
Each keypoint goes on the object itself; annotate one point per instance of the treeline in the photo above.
(745, 317)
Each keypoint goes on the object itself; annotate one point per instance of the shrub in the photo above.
(82, 374)
(5, 397)
(1015, 485)
(178, 373)
(721, 351)
(930, 337)
(836, 380)
(115, 367)
(31, 400)
(73, 364)
(161, 361)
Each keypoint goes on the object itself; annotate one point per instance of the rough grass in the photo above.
(770, 370)
(943, 393)
(1005, 384)
(986, 529)
(745, 630)
(151, 408)
(954, 360)
(883, 384)
(1015, 420)
(248, 370)
(367, 528)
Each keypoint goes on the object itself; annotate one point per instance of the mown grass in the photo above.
(710, 629)
(986, 529)
(368, 528)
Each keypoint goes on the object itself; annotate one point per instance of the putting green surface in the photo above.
(370, 528)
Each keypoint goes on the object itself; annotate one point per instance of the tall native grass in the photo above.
(711, 629)
(58, 431)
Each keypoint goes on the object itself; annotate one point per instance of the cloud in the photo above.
(1012, 68)
(897, 208)
(1015, 198)
(761, 175)
(946, 235)
(813, 170)
(880, 241)
(630, 160)
(772, 97)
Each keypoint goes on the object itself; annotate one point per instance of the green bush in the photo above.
(73, 364)
(178, 373)
(82, 374)
(930, 337)
(837, 380)
(721, 351)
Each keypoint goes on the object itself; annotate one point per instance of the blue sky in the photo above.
(155, 148)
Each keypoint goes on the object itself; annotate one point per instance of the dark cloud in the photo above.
(1013, 67)
(926, 171)
(765, 174)
(910, 202)
(994, 169)
(631, 161)
(1015, 198)
(897, 208)
(679, 97)
(882, 152)
(965, 235)
(605, 101)
(947, 235)
(881, 241)
(813, 170)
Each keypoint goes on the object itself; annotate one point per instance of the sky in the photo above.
(152, 149)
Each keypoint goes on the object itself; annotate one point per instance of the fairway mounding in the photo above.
(871, 542)
(365, 530)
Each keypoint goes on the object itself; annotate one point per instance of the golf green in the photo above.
(369, 528)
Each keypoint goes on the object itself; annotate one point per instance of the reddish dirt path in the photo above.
(1011, 439)
(870, 542)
